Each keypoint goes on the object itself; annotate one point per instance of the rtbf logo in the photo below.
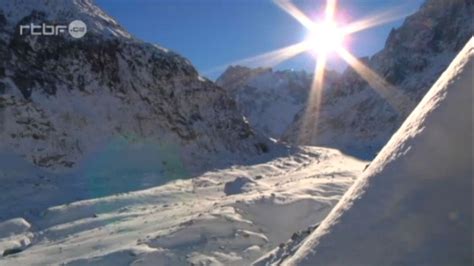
(77, 29)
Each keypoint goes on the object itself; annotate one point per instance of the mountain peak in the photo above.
(236, 75)
(64, 99)
(357, 119)
(62, 12)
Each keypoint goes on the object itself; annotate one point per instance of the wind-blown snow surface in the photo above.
(182, 222)
(413, 205)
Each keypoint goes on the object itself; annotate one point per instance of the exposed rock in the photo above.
(68, 97)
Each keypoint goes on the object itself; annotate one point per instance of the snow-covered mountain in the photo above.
(413, 204)
(124, 112)
(353, 116)
(269, 99)
(63, 99)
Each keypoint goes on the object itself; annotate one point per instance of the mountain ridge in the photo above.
(353, 116)
(64, 98)
(269, 99)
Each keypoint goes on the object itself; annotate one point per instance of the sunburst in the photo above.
(324, 38)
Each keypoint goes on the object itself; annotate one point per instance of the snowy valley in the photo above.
(229, 217)
(119, 152)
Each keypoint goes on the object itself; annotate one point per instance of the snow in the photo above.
(14, 235)
(112, 91)
(96, 20)
(413, 205)
(160, 168)
(185, 221)
(237, 186)
(13, 227)
(353, 116)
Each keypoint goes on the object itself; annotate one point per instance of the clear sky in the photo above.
(216, 33)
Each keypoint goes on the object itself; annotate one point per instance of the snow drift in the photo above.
(413, 205)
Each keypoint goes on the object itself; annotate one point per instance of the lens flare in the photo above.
(390, 93)
(292, 10)
(322, 40)
(308, 127)
(268, 59)
(376, 20)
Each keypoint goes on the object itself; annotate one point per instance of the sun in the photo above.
(325, 38)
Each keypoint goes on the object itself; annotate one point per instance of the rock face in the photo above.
(353, 116)
(268, 99)
(63, 98)
(413, 204)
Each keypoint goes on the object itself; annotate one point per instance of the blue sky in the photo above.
(215, 33)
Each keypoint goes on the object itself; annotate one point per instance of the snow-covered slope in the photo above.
(269, 99)
(354, 117)
(413, 205)
(65, 102)
(183, 222)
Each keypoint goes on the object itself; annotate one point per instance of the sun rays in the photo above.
(326, 36)
(377, 83)
(268, 59)
(310, 117)
(376, 20)
(291, 9)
